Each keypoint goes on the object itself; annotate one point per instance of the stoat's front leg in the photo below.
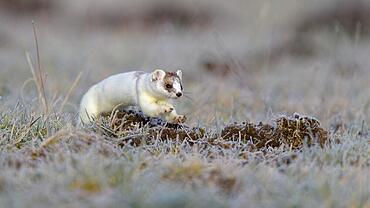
(154, 109)
(173, 117)
(160, 108)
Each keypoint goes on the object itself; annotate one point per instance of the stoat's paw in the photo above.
(179, 119)
(167, 109)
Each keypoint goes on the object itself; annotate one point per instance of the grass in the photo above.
(46, 160)
(87, 168)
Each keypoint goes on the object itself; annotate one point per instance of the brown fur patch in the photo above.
(171, 74)
(169, 78)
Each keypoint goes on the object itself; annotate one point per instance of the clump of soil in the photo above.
(291, 131)
(298, 129)
(259, 136)
(124, 123)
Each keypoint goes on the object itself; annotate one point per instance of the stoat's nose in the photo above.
(178, 94)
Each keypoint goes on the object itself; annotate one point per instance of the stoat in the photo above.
(152, 92)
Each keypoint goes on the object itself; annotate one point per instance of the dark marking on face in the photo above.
(169, 79)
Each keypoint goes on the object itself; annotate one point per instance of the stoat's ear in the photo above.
(158, 74)
(179, 74)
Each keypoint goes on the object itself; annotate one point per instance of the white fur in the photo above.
(132, 89)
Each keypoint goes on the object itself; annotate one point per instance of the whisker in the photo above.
(188, 97)
(188, 113)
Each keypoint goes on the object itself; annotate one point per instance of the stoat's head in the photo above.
(167, 84)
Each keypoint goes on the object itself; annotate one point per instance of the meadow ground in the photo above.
(242, 61)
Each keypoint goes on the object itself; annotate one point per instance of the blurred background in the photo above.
(241, 59)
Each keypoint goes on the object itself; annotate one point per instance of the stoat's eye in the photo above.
(168, 86)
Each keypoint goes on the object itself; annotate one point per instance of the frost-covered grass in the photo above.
(84, 168)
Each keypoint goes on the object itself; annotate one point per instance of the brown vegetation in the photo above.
(292, 131)
(22, 7)
(151, 17)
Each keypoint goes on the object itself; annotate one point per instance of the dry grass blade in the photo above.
(35, 79)
(54, 138)
(37, 75)
(74, 84)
